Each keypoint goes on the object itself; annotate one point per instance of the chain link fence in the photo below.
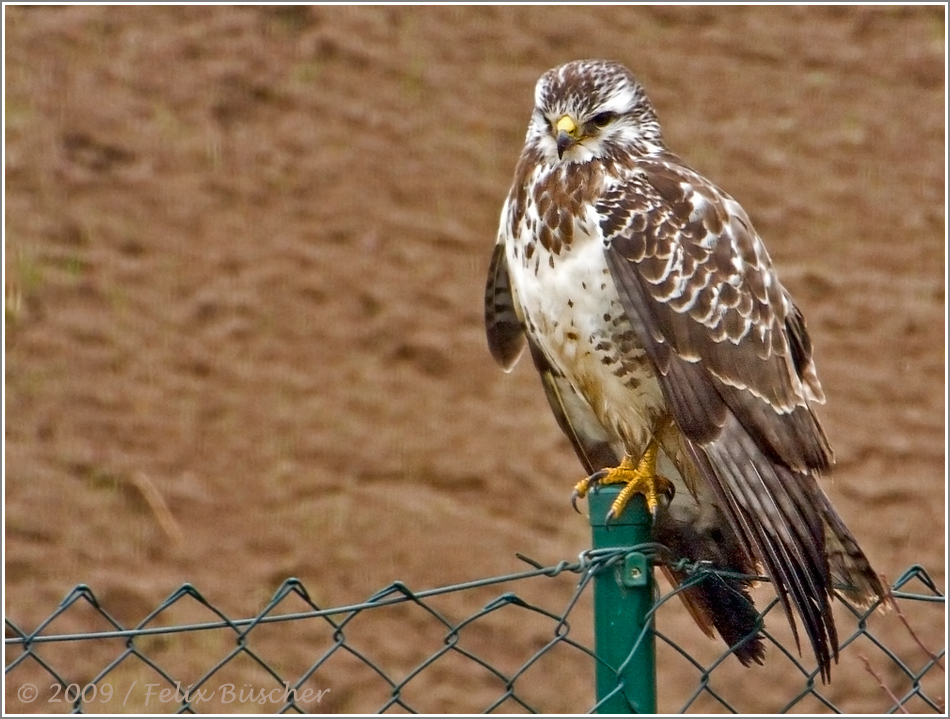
(295, 656)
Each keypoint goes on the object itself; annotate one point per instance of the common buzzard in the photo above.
(662, 334)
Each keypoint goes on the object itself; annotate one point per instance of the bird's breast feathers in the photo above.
(568, 303)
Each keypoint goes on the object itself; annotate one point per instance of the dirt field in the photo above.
(245, 253)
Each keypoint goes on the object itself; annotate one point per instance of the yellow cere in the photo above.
(566, 124)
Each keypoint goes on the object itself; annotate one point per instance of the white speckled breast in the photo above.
(569, 305)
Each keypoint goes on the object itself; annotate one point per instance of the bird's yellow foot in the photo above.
(639, 479)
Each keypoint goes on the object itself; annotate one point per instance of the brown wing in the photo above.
(712, 298)
(734, 362)
(505, 334)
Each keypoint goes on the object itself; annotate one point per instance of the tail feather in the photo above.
(777, 512)
(701, 534)
(727, 604)
(850, 568)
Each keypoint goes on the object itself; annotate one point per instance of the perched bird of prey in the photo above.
(662, 334)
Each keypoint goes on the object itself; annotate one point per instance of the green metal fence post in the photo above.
(622, 597)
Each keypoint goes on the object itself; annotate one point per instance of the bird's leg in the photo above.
(639, 479)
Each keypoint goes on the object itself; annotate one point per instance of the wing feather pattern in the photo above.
(734, 362)
(505, 335)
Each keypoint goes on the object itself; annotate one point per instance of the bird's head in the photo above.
(592, 109)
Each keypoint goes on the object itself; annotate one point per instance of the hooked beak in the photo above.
(566, 134)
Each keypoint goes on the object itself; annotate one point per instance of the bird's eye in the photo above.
(602, 118)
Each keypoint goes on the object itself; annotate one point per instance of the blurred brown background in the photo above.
(245, 252)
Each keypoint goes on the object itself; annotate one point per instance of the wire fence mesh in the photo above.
(188, 656)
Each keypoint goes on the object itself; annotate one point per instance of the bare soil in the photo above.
(245, 252)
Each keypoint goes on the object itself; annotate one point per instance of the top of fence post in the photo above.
(623, 595)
